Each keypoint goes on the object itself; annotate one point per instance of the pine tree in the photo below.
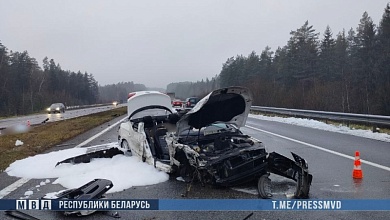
(365, 59)
(327, 66)
(303, 52)
(382, 69)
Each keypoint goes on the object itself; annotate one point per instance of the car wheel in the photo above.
(125, 145)
(303, 187)
(264, 186)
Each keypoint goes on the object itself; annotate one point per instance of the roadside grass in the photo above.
(43, 137)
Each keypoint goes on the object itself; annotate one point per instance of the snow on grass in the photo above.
(123, 171)
(327, 127)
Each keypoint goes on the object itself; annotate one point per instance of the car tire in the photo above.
(125, 145)
(303, 187)
(264, 186)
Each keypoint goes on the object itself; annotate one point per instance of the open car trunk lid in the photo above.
(229, 105)
(143, 100)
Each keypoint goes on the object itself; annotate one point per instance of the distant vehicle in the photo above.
(115, 103)
(56, 108)
(177, 103)
(191, 102)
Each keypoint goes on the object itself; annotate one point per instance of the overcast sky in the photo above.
(156, 42)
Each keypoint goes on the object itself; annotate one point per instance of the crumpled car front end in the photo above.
(227, 158)
(238, 167)
(230, 159)
(223, 154)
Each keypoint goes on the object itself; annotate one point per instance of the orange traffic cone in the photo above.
(357, 172)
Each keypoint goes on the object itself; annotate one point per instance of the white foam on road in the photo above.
(42, 165)
(123, 171)
(7, 190)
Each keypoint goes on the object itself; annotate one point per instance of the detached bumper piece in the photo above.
(101, 152)
(92, 190)
(20, 215)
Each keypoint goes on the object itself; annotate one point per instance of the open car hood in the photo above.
(229, 105)
(143, 100)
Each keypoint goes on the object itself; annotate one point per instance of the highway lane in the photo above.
(371, 150)
(39, 118)
(332, 174)
(332, 177)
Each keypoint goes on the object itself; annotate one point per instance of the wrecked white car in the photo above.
(205, 144)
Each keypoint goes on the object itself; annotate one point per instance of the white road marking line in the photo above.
(7, 190)
(321, 148)
(100, 133)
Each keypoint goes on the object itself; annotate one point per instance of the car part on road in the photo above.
(112, 214)
(93, 153)
(248, 216)
(264, 186)
(94, 189)
(20, 215)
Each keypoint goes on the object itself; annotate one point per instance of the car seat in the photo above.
(160, 143)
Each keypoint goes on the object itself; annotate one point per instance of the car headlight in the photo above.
(48, 109)
(57, 109)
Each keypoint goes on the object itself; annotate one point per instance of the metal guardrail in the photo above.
(374, 120)
(86, 106)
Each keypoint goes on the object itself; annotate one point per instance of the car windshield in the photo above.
(55, 105)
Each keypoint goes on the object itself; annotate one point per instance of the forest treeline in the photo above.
(346, 73)
(118, 92)
(349, 72)
(25, 87)
(201, 88)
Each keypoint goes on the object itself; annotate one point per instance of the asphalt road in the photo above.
(39, 118)
(332, 176)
